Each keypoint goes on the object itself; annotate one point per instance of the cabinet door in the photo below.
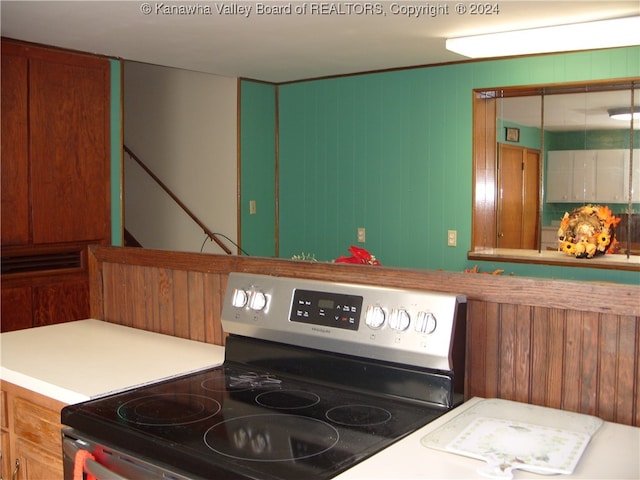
(583, 182)
(559, 176)
(34, 434)
(36, 463)
(60, 302)
(16, 308)
(14, 158)
(5, 451)
(69, 148)
(612, 185)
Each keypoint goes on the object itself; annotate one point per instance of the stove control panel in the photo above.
(327, 309)
(399, 325)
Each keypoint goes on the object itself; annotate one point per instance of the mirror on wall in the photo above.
(540, 152)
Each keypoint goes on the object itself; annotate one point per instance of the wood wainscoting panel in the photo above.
(216, 286)
(527, 340)
(579, 361)
(547, 357)
(608, 378)
(176, 302)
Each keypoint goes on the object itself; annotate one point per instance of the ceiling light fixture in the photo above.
(624, 113)
(620, 32)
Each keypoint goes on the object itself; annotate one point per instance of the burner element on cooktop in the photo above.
(271, 438)
(168, 409)
(358, 415)
(287, 399)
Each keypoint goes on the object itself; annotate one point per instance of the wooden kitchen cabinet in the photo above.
(32, 445)
(5, 455)
(16, 306)
(55, 180)
(70, 151)
(5, 451)
(15, 141)
(45, 301)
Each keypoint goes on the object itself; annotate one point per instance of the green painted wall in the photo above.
(529, 136)
(258, 179)
(367, 151)
(392, 152)
(591, 139)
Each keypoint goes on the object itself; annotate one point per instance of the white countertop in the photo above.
(612, 454)
(76, 361)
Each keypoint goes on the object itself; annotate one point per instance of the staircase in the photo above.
(130, 240)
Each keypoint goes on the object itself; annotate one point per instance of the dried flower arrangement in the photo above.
(588, 231)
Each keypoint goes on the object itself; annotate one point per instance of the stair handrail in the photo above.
(173, 196)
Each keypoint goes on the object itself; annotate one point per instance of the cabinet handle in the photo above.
(14, 475)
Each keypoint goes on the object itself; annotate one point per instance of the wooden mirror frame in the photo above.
(484, 196)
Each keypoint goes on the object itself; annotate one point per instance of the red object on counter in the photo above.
(358, 256)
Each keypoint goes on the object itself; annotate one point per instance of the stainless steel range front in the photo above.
(317, 377)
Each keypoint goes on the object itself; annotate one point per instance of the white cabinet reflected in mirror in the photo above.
(542, 151)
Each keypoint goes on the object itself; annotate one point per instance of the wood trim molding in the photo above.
(617, 299)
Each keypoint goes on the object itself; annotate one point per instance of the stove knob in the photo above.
(239, 298)
(258, 301)
(399, 319)
(426, 323)
(375, 316)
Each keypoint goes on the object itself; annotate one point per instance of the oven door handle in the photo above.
(99, 471)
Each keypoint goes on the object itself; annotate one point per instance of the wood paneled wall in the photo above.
(166, 300)
(569, 345)
(573, 360)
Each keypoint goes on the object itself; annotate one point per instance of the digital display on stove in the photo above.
(327, 309)
(324, 303)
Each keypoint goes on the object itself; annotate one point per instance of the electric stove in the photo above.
(317, 377)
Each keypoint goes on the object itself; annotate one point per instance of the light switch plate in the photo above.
(452, 238)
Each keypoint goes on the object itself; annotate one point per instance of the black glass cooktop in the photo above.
(249, 423)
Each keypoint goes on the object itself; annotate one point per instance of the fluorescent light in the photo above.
(624, 113)
(620, 32)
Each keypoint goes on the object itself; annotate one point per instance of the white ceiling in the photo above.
(280, 48)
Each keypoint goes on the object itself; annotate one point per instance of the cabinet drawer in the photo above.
(37, 424)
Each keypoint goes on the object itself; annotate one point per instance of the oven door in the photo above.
(86, 455)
